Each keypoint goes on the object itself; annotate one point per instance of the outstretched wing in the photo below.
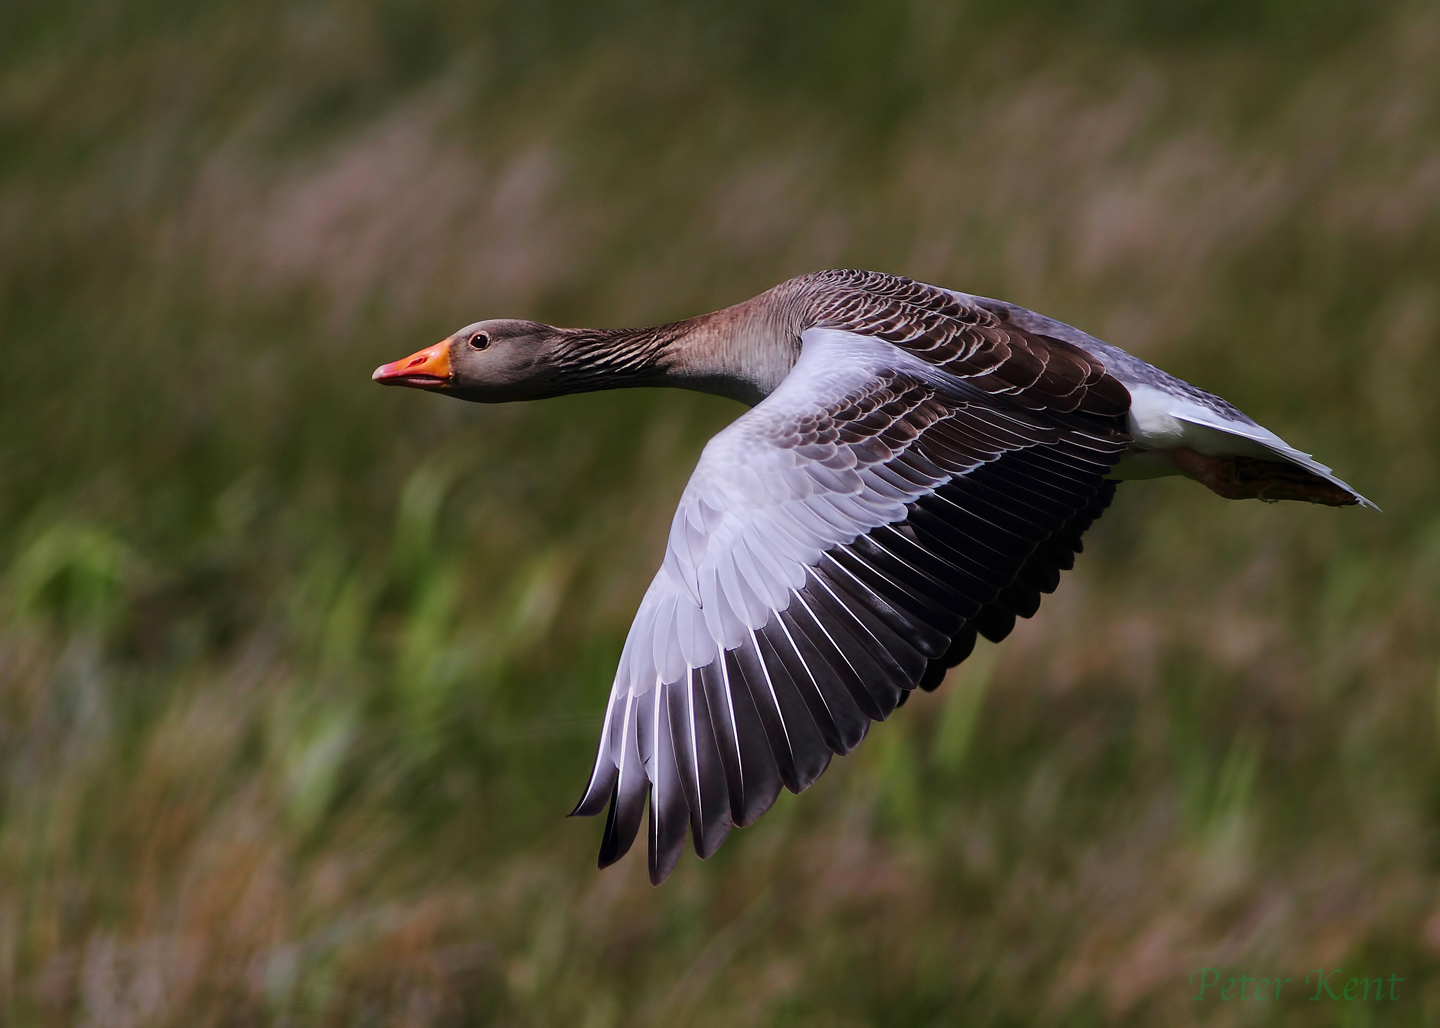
(838, 545)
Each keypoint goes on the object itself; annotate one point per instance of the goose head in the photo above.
(487, 362)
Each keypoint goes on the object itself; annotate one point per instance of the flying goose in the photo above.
(917, 467)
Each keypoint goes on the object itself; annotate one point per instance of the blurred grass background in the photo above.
(298, 676)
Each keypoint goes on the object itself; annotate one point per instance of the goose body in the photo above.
(916, 469)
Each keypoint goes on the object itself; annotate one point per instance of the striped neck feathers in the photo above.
(741, 352)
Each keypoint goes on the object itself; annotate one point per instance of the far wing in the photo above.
(1222, 428)
(837, 546)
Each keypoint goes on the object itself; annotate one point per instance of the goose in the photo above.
(917, 467)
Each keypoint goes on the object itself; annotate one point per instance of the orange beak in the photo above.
(427, 369)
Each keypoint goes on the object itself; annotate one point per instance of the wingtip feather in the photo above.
(598, 791)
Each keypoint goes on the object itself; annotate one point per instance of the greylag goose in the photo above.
(917, 467)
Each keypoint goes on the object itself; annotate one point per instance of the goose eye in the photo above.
(479, 340)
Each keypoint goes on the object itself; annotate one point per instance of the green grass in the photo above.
(298, 676)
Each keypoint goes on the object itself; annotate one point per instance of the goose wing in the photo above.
(1167, 411)
(843, 542)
